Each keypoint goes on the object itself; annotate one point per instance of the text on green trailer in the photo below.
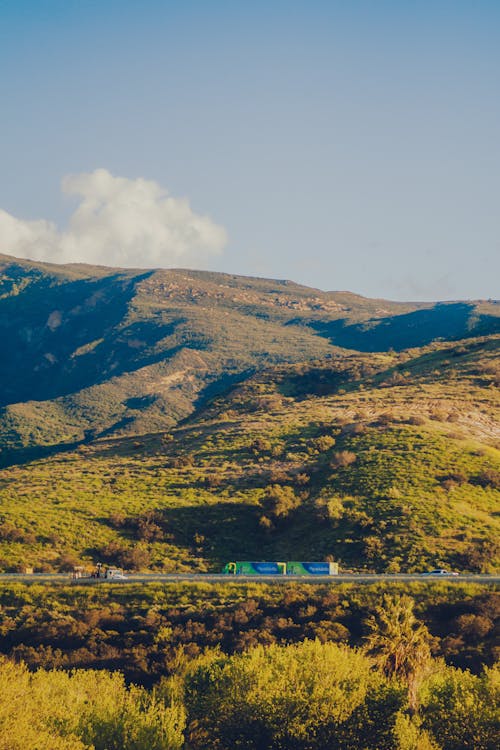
(245, 568)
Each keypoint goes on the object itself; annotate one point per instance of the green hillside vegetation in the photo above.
(90, 352)
(383, 462)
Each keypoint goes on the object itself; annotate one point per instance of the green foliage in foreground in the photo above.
(305, 696)
(309, 696)
(82, 711)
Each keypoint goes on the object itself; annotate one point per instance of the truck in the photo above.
(100, 573)
(294, 568)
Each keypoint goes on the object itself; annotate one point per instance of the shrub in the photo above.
(67, 563)
(386, 419)
(487, 478)
(212, 481)
(329, 508)
(395, 378)
(310, 695)
(481, 556)
(259, 446)
(342, 459)
(117, 520)
(323, 443)
(131, 558)
(302, 478)
(439, 415)
(83, 710)
(135, 558)
(181, 462)
(416, 420)
(148, 531)
(10, 533)
(453, 479)
(460, 710)
(278, 501)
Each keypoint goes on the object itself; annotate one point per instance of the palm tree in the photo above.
(399, 643)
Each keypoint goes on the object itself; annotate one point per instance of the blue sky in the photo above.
(344, 145)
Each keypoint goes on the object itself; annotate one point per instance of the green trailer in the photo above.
(312, 568)
(255, 568)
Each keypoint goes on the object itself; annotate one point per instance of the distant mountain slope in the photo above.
(91, 351)
(385, 461)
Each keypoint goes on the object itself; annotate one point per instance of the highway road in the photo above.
(64, 578)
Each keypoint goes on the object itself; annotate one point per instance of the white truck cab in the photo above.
(115, 574)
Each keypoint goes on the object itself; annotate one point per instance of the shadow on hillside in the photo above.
(221, 386)
(448, 321)
(58, 339)
(228, 531)
(22, 456)
(119, 446)
(219, 532)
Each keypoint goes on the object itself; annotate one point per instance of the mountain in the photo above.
(178, 419)
(91, 352)
(384, 461)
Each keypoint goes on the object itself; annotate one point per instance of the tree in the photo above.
(307, 696)
(461, 710)
(399, 643)
(82, 710)
(278, 501)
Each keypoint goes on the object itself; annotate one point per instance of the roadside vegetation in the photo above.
(390, 692)
(142, 630)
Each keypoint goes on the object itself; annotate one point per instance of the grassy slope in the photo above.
(391, 461)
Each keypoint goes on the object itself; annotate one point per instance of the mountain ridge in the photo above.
(93, 350)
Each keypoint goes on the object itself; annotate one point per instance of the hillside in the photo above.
(383, 461)
(90, 352)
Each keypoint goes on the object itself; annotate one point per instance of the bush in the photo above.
(130, 558)
(323, 443)
(487, 478)
(385, 419)
(135, 558)
(279, 501)
(260, 445)
(460, 710)
(181, 462)
(481, 557)
(83, 710)
(329, 508)
(417, 420)
(453, 479)
(342, 458)
(10, 533)
(67, 563)
(309, 696)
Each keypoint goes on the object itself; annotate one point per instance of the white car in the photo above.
(439, 572)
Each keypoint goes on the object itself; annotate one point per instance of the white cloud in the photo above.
(118, 222)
